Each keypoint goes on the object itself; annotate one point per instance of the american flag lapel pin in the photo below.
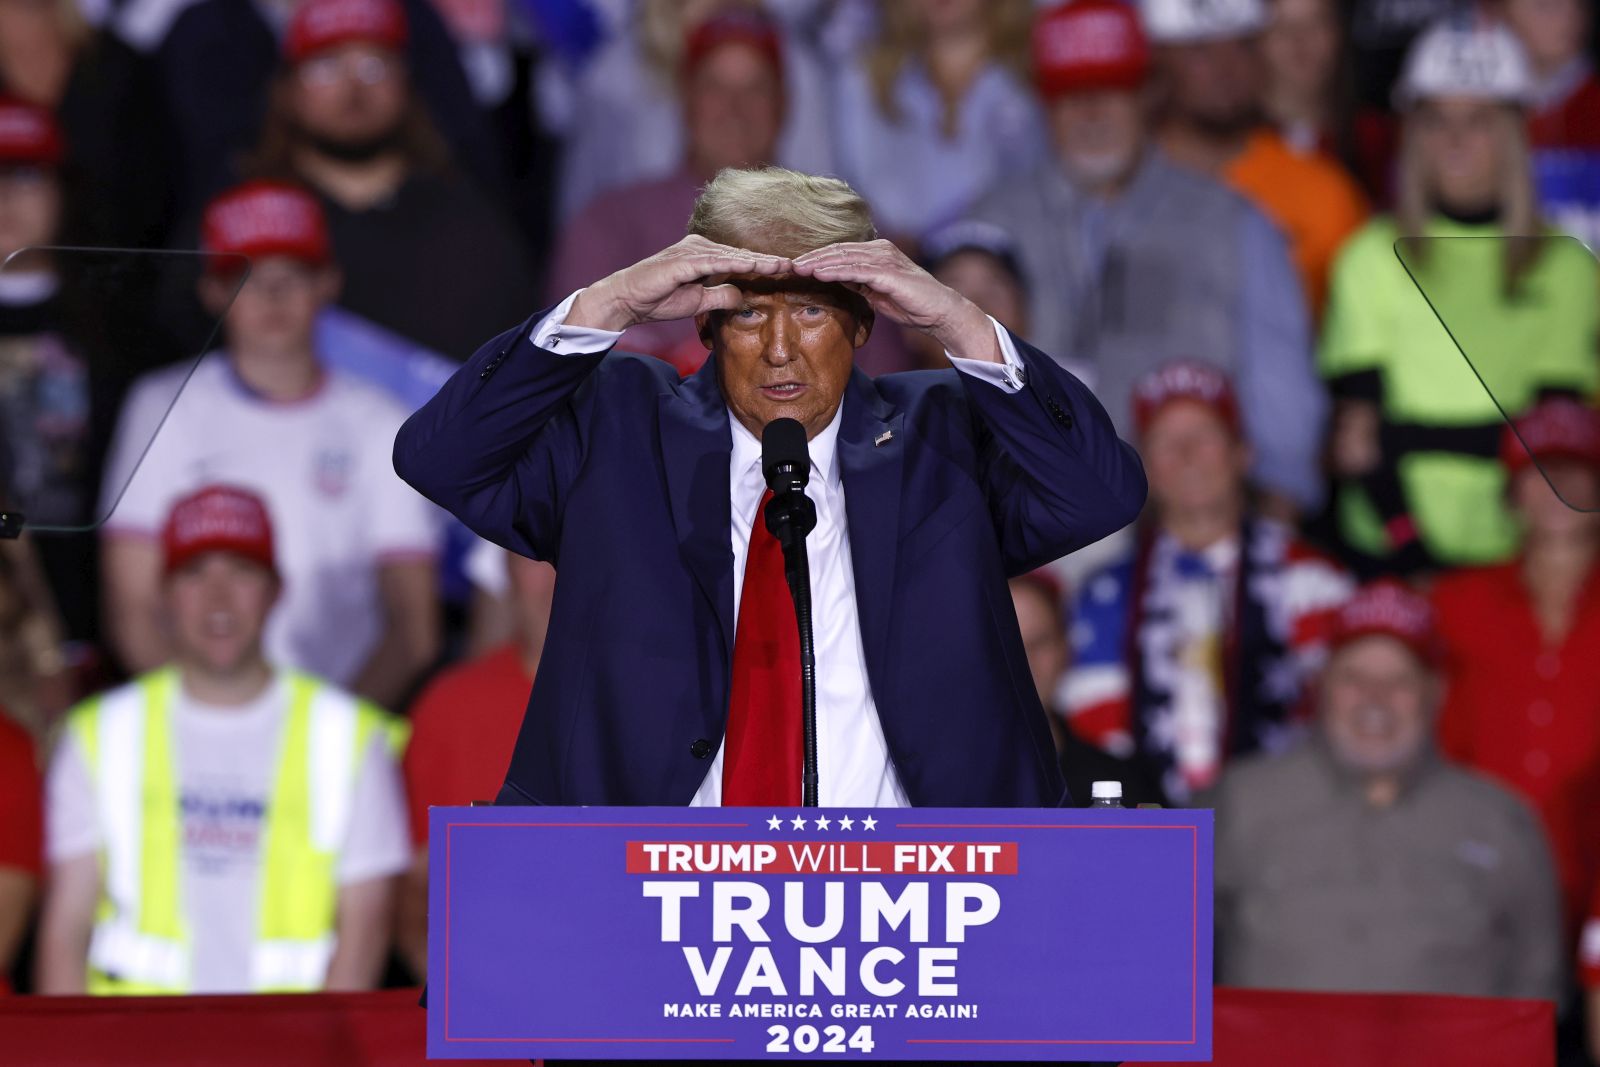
(882, 439)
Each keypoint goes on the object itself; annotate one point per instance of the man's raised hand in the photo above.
(904, 293)
(670, 285)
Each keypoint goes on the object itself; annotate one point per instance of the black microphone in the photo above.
(790, 515)
(786, 464)
(784, 459)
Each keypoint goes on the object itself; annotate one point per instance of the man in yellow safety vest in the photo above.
(219, 824)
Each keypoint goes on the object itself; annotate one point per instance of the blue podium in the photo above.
(751, 933)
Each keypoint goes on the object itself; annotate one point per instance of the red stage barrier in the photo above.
(289, 1030)
(1253, 1029)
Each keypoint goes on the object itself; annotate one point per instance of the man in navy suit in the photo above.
(671, 670)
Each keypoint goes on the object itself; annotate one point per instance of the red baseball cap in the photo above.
(321, 24)
(1387, 608)
(263, 218)
(28, 134)
(1185, 379)
(218, 518)
(1554, 429)
(738, 26)
(1089, 44)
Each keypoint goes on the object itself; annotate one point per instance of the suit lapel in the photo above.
(696, 447)
(871, 466)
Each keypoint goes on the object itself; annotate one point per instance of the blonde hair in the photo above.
(779, 212)
(1518, 198)
(1008, 24)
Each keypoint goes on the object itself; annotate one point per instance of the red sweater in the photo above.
(1527, 712)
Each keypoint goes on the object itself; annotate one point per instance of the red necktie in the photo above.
(761, 754)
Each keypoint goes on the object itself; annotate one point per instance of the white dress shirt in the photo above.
(853, 764)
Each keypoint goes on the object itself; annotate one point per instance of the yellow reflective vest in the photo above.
(141, 942)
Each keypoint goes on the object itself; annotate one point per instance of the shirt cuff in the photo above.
(1009, 376)
(554, 335)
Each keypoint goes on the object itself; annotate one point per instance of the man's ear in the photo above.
(864, 323)
(705, 325)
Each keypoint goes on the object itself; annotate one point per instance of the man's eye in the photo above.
(745, 313)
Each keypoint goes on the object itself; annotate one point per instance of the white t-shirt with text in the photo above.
(324, 466)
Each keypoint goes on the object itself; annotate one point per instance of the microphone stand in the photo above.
(790, 516)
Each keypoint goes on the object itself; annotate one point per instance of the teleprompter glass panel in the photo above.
(1522, 312)
(78, 326)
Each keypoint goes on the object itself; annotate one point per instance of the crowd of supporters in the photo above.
(1311, 256)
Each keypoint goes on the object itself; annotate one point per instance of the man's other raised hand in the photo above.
(671, 285)
(902, 292)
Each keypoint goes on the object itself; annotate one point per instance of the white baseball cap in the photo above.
(1465, 55)
(1192, 21)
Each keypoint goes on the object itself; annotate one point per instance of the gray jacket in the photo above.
(1450, 890)
(1177, 266)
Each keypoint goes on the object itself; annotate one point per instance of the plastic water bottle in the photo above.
(1105, 795)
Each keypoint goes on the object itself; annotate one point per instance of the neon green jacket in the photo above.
(1379, 328)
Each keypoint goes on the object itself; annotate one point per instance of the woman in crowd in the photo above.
(58, 368)
(1416, 434)
(107, 100)
(980, 261)
(1565, 124)
(1310, 97)
(1524, 683)
(624, 120)
(936, 108)
(1199, 643)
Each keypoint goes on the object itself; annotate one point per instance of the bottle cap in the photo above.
(1106, 791)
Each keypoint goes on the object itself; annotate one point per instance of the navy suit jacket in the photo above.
(616, 471)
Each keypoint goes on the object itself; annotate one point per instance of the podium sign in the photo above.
(750, 933)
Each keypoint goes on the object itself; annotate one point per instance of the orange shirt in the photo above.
(1311, 198)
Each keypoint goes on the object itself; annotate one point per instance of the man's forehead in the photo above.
(791, 286)
(1376, 654)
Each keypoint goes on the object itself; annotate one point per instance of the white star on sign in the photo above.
(798, 823)
(774, 823)
(822, 822)
(845, 822)
(869, 823)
